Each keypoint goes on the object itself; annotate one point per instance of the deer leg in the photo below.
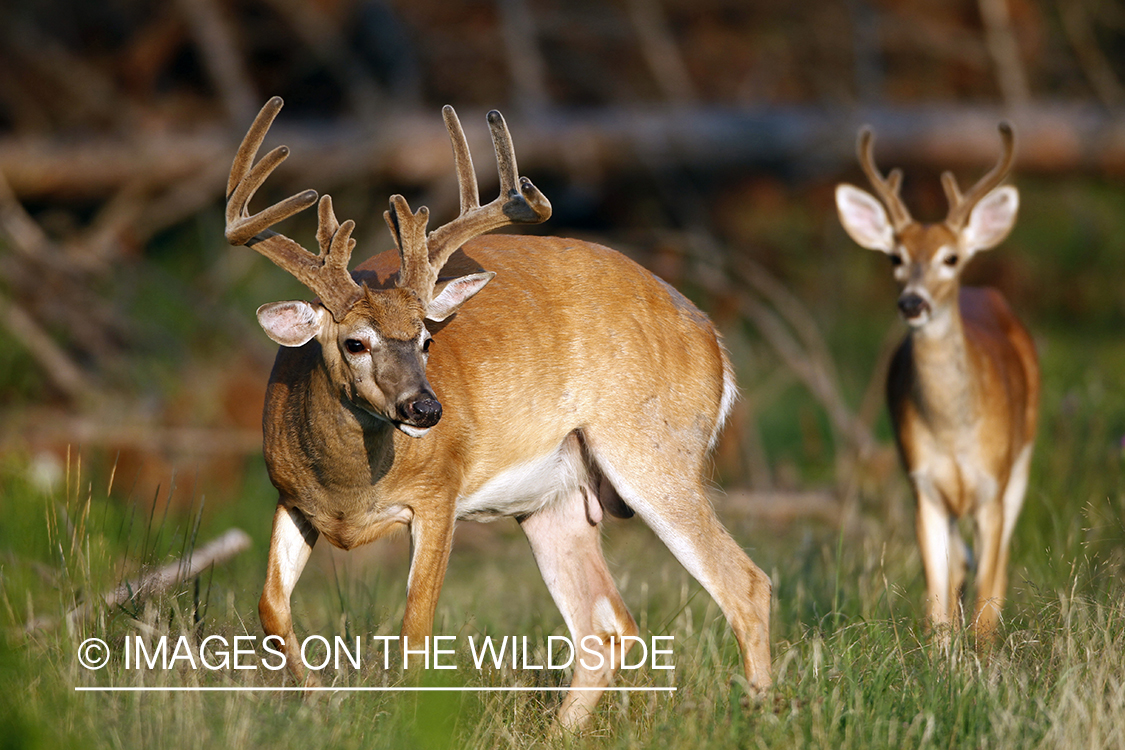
(936, 530)
(567, 549)
(431, 541)
(959, 556)
(676, 508)
(994, 539)
(992, 575)
(1014, 493)
(705, 548)
(291, 543)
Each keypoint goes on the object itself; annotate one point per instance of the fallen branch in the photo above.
(216, 40)
(1079, 28)
(156, 582)
(775, 506)
(413, 148)
(51, 427)
(658, 46)
(215, 552)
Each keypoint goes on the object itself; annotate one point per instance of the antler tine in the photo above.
(336, 288)
(505, 151)
(251, 142)
(961, 205)
(409, 230)
(326, 274)
(949, 185)
(240, 225)
(326, 224)
(519, 202)
(886, 188)
(462, 160)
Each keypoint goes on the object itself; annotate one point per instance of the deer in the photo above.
(468, 377)
(962, 387)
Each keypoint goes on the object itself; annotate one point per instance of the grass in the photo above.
(853, 665)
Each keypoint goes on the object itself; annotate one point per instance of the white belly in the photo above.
(527, 487)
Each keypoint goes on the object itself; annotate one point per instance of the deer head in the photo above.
(374, 342)
(928, 258)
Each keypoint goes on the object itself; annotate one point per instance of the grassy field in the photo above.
(852, 663)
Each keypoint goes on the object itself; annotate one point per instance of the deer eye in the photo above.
(896, 260)
(426, 345)
(355, 346)
(950, 260)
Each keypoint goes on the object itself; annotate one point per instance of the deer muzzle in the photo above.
(423, 410)
(913, 306)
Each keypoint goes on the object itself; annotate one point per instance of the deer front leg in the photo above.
(567, 549)
(431, 540)
(291, 544)
(935, 541)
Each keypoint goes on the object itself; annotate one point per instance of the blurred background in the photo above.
(703, 138)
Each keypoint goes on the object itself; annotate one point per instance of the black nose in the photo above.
(912, 305)
(422, 412)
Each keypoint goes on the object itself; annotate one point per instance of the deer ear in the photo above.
(450, 295)
(991, 219)
(291, 323)
(864, 218)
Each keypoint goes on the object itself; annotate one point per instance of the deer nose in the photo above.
(423, 411)
(912, 306)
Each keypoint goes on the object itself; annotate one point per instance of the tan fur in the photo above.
(963, 388)
(963, 407)
(570, 339)
(573, 381)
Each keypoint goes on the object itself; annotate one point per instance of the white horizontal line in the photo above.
(297, 689)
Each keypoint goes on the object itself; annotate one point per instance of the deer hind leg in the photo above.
(688, 526)
(673, 504)
(291, 543)
(995, 536)
(1014, 493)
(567, 548)
(995, 519)
(960, 560)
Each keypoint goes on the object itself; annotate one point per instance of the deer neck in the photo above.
(360, 444)
(944, 387)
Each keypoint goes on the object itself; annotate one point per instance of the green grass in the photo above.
(853, 665)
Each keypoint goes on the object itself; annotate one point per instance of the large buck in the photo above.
(575, 383)
(963, 387)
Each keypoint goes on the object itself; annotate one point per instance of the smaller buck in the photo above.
(963, 387)
(563, 382)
